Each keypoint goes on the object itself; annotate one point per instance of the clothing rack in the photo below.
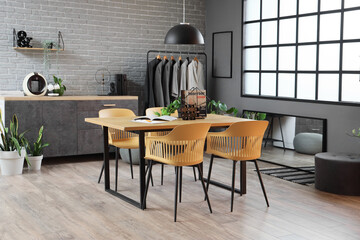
(180, 53)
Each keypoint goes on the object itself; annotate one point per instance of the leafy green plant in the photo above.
(38, 146)
(62, 87)
(170, 109)
(221, 108)
(254, 115)
(12, 140)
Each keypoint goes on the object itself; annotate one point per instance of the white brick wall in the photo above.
(97, 33)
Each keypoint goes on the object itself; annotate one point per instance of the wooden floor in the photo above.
(288, 157)
(64, 201)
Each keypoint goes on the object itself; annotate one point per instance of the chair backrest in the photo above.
(115, 134)
(116, 112)
(183, 146)
(151, 111)
(241, 141)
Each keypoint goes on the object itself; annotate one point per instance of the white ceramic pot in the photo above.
(11, 163)
(35, 162)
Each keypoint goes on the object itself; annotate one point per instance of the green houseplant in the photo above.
(36, 151)
(62, 87)
(254, 115)
(12, 148)
(170, 109)
(221, 108)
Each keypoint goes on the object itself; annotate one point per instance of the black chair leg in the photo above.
(209, 173)
(162, 174)
(101, 172)
(233, 186)
(269, 129)
(205, 191)
(116, 167)
(148, 180)
(151, 178)
(194, 173)
(180, 187)
(176, 191)
(131, 165)
(282, 135)
(261, 182)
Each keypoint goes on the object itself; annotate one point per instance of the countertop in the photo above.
(66, 98)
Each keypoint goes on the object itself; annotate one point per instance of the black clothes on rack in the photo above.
(149, 100)
(165, 78)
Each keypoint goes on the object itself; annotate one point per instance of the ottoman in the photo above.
(338, 173)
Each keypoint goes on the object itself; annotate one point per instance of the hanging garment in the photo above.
(166, 80)
(176, 77)
(149, 100)
(184, 76)
(158, 89)
(196, 76)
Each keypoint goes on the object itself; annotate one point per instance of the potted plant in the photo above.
(36, 151)
(170, 109)
(62, 87)
(254, 115)
(12, 148)
(221, 108)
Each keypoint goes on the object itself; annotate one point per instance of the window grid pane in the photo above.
(302, 54)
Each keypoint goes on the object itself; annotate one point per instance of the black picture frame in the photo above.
(222, 54)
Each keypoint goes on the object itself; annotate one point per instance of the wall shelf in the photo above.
(60, 43)
(25, 48)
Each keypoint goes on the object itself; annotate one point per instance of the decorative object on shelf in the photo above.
(34, 84)
(36, 151)
(12, 148)
(22, 35)
(23, 40)
(193, 104)
(184, 33)
(58, 86)
(102, 76)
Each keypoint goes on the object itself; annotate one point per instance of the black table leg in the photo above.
(142, 168)
(106, 158)
(243, 177)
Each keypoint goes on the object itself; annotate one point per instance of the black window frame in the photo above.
(317, 43)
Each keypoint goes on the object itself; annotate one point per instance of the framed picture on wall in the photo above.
(222, 48)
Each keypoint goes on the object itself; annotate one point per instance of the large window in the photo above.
(302, 49)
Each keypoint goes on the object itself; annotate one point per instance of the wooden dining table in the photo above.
(127, 124)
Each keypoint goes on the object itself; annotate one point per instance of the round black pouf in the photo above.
(338, 173)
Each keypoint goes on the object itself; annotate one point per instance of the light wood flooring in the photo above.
(64, 201)
(288, 157)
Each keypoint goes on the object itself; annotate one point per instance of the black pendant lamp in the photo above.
(184, 33)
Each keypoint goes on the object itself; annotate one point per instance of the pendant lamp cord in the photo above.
(183, 11)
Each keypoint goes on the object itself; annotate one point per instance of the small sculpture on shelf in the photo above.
(23, 40)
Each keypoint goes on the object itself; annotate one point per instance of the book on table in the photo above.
(154, 119)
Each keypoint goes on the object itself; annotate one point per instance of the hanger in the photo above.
(165, 58)
(158, 57)
(180, 56)
(172, 58)
(196, 59)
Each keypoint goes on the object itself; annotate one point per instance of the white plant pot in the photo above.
(35, 162)
(11, 163)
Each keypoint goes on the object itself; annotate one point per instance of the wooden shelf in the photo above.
(25, 48)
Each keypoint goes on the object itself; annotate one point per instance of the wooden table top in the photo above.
(126, 123)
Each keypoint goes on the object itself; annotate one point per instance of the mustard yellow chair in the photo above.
(240, 142)
(183, 146)
(151, 112)
(120, 139)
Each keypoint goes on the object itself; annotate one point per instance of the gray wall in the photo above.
(115, 34)
(226, 16)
